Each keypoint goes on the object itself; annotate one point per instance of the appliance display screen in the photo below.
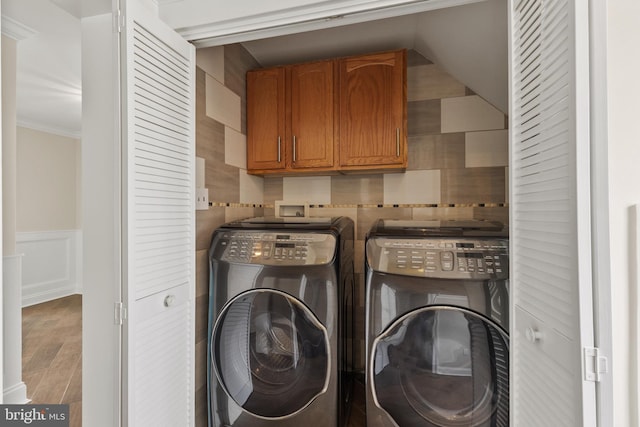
(465, 245)
(282, 237)
(285, 245)
(469, 255)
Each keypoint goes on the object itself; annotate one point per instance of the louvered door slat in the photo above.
(549, 222)
(159, 158)
(160, 141)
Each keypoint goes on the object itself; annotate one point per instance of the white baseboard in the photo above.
(51, 265)
(15, 394)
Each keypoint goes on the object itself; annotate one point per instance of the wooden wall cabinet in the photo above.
(291, 118)
(373, 116)
(341, 115)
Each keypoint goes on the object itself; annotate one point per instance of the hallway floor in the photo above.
(52, 354)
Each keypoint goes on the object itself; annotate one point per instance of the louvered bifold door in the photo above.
(158, 154)
(552, 315)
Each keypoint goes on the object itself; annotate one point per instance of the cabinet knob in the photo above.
(169, 300)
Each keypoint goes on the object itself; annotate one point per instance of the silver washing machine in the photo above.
(280, 322)
(437, 304)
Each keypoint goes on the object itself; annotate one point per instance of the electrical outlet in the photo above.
(202, 199)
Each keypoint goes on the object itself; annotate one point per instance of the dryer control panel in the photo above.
(275, 248)
(449, 258)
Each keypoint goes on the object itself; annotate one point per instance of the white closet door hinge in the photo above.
(594, 364)
(118, 21)
(119, 313)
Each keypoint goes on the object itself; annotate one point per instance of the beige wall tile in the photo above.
(469, 113)
(412, 187)
(236, 213)
(473, 185)
(350, 212)
(210, 143)
(201, 392)
(356, 189)
(423, 117)
(431, 82)
(368, 216)
(448, 213)
(251, 188)
(311, 189)
(223, 104)
(222, 180)
(487, 148)
(272, 189)
(202, 321)
(225, 189)
(200, 168)
(500, 214)
(333, 212)
(237, 61)
(436, 151)
(206, 222)
(202, 272)
(235, 148)
(211, 60)
(268, 212)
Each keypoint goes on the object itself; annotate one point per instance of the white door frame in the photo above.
(600, 206)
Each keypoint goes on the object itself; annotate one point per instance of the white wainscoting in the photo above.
(51, 266)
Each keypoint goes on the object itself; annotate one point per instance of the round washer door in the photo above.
(442, 366)
(270, 353)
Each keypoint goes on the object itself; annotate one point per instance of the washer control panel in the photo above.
(451, 258)
(274, 248)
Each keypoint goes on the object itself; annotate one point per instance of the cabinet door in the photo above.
(312, 115)
(373, 110)
(266, 119)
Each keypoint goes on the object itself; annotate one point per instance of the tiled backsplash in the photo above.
(458, 158)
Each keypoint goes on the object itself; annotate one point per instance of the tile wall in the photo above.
(458, 158)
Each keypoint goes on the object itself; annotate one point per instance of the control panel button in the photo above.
(447, 265)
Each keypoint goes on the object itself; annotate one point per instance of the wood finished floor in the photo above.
(52, 354)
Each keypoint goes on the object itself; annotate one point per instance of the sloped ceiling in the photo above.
(469, 42)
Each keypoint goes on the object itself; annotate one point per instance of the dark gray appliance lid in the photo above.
(294, 223)
(437, 228)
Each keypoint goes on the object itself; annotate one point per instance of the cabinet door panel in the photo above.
(266, 119)
(312, 115)
(373, 110)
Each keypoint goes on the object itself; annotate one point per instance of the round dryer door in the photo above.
(270, 353)
(442, 366)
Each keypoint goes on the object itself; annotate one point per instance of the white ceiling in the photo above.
(48, 86)
(470, 42)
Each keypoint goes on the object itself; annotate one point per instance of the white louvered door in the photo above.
(552, 316)
(158, 155)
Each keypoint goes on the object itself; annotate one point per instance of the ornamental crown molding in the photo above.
(16, 30)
